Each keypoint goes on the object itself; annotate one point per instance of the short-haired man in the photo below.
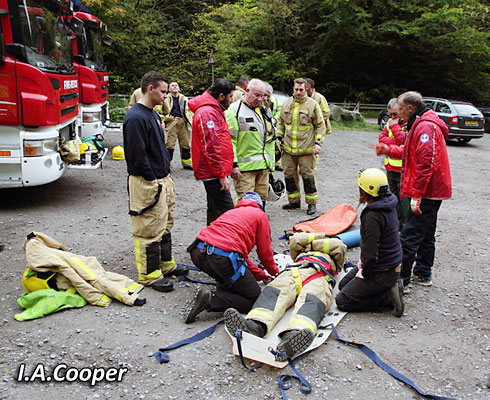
(177, 124)
(426, 179)
(394, 133)
(151, 190)
(212, 151)
(322, 102)
(302, 128)
(252, 135)
(241, 88)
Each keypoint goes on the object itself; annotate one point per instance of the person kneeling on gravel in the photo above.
(374, 285)
(221, 251)
(307, 283)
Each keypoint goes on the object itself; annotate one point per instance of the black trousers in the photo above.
(419, 241)
(219, 201)
(240, 295)
(366, 294)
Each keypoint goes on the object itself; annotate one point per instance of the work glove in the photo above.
(415, 206)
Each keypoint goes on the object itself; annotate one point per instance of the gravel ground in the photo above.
(441, 343)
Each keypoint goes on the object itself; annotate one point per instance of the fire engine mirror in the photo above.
(76, 26)
(18, 50)
(107, 40)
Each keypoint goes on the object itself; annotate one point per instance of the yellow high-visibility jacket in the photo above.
(323, 103)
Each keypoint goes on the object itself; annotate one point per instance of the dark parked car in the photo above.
(486, 115)
(465, 122)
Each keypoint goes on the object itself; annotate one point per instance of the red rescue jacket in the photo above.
(425, 170)
(240, 229)
(398, 138)
(212, 151)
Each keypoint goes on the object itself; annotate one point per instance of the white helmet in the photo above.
(276, 189)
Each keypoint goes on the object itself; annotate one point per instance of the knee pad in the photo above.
(291, 185)
(309, 184)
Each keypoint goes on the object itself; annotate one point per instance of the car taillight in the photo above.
(453, 120)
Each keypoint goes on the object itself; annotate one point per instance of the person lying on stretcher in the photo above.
(307, 283)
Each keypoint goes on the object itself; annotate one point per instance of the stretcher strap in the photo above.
(183, 278)
(374, 357)
(163, 357)
(284, 380)
(240, 352)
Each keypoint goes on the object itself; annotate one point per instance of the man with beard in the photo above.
(212, 151)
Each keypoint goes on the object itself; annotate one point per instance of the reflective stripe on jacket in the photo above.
(322, 102)
(251, 136)
(301, 125)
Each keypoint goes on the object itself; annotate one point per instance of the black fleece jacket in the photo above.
(380, 242)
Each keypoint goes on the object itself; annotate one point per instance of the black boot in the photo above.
(162, 285)
(397, 298)
(201, 301)
(294, 343)
(235, 321)
(311, 209)
(291, 206)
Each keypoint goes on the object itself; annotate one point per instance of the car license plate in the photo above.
(471, 122)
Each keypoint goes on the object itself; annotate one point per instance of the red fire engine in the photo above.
(38, 90)
(93, 79)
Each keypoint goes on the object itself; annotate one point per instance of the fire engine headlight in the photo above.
(92, 116)
(35, 148)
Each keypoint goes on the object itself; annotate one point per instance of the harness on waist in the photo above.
(232, 255)
(294, 268)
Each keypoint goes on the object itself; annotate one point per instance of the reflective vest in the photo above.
(392, 161)
(301, 125)
(251, 136)
(275, 107)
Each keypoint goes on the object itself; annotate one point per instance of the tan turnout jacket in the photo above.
(301, 125)
(82, 273)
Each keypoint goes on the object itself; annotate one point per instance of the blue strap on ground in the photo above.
(163, 357)
(284, 380)
(183, 278)
(374, 357)
(240, 352)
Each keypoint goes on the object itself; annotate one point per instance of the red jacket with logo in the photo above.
(212, 151)
(240, 229)
(425, 170)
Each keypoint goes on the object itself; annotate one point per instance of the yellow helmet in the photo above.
(373, 181)
(118, 153)
(32, 280)
(87, 147)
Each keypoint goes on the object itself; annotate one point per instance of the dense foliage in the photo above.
(354, 49)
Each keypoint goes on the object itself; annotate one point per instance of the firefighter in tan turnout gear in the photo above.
(307, 283)
(302, 129)
(177, 124)
(150, 187)
(322, 102)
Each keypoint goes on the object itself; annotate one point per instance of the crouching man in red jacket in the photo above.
(221, 250)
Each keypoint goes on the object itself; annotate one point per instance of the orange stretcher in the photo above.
(331, 223)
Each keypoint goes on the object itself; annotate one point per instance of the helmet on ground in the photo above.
(373, 181)
(255, 197)
(118, 153)
(276, 189)
(87, 147)
(32, 280)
